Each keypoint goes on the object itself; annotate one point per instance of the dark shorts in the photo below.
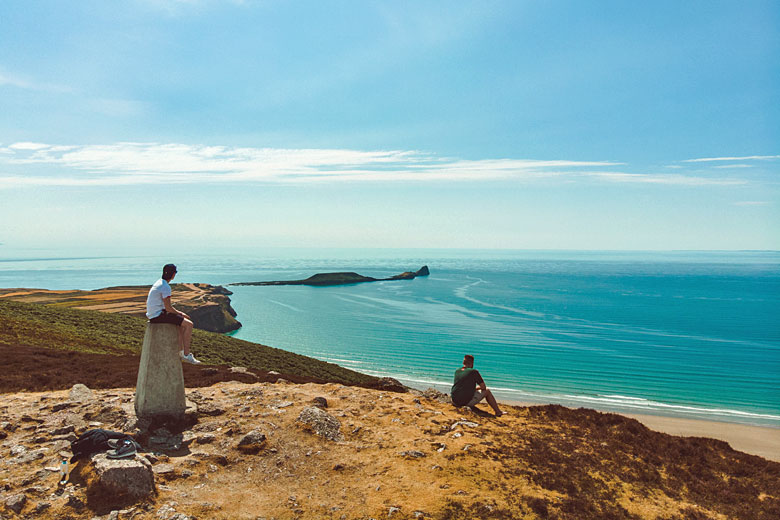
(167, 317)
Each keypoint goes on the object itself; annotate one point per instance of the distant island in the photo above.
(326, 279)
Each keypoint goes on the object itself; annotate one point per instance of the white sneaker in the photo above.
(189, 358)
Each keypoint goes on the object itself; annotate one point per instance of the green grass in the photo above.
(55, 327)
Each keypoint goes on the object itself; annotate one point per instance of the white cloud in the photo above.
(147, 163)
(728, 166)
(744, 158)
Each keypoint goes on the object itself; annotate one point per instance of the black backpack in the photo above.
(93, 441)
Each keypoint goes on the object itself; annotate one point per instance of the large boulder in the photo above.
(80, 394)
(120, 482)
(321, 423)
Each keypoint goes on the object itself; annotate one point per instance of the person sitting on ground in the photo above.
(160, 310)
(464, 391)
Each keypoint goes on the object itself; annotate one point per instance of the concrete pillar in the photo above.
(160, 387)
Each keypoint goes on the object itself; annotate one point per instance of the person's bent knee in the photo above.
(187, 323)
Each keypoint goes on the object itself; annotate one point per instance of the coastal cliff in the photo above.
(208, 305)
(346, 278)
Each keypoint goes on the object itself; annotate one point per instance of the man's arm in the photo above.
(169, 308)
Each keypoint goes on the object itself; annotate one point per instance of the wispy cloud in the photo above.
(752, 203)
(744, 158)
(157, 163)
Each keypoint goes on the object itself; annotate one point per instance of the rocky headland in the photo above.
(327, 279)
(282, 450)
(208, 305)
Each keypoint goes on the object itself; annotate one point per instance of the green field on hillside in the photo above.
(36, 325)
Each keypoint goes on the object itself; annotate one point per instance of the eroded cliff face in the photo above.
(208, 305)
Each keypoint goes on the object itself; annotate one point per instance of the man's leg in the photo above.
(185, 336)
(493, 404)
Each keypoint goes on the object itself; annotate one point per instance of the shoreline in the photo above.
(763, 441)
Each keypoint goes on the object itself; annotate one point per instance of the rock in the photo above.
(321, 423)
(16, 503)
(123, 481)
(3, 435)
(163, 469)
(166, 512)
(320, 402)
(74, 502)
(206, 438)
(463, 423)
(282, 381)
(210, 409)
(63, 431)
(435, 395)
(273, 373)
(241, 370)
(80, 394)
(18, 450)
(283, 404)
(252, 442)
(390, 385)
(412, 454)
(61, 406)
(393, 510)
(423, 271)
(209, 371)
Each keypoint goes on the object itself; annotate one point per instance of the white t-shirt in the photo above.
(154, 302)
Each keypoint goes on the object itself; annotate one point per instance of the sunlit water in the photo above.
(685, 334)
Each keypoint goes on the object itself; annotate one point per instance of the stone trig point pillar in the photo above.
(160, 388)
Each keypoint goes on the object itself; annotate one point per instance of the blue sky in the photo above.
(530, 125)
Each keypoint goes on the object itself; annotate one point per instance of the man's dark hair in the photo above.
(469, 358)
(168, 271)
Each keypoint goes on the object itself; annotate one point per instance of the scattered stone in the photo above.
(125, 480)
(282, 381)
(63, 430)
(206, 438)
(70, 437)
(163, 469)
(457, 435)
(41, 507)
(74, 502)
(273, 373)
(252, 442)
(463, 423)
(338, 467)
(321, 423)
(435, 395)
(80, 394)
(16, 503)
(242, 370)
(283, 404)
(166, 512)
(3, 435)
(412, 454)
(210, 409)
(61, 406)
(18, 450)
(393, 510)
(320, 402)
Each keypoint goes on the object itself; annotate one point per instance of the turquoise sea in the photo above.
(690, 334)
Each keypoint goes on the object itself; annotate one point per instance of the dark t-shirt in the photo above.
(466, 381)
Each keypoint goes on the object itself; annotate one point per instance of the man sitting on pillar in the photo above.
(160, 310)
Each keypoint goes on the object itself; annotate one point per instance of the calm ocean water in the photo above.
(691, 334)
